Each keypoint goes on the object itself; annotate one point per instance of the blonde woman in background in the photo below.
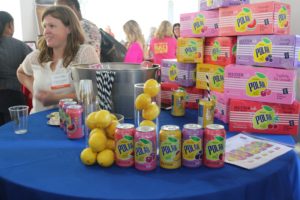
(135, 42)
(163, 45)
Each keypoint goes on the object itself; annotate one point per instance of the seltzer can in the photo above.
(214, 146)
(170, 147)
(145, 148)
(74, 126)
(124, 151)
(192, 141)
(206, 111)
(66, 118)
(178, 102)
(60, 111)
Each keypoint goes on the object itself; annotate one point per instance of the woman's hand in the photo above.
(46, 97)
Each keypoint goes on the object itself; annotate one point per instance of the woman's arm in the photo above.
(49, 98)
(25, 79)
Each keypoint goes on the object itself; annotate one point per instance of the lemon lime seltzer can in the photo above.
(178, 102)
(170, 147)
(206, 110)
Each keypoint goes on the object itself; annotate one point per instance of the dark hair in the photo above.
(174, 26)
(73, 2)
(5, 18)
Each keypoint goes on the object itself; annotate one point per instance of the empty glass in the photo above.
(19, 114)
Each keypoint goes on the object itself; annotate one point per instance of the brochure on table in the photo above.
(250, 152)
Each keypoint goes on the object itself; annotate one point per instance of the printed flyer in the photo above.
(250, 152)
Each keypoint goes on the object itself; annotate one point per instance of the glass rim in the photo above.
(18, 107)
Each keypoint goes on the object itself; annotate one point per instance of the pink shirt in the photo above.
(163, 48)
(134, 54)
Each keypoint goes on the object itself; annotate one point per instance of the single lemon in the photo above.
(90, 121)
(151, 87)
(111, 144)
(97, 131)
(142, 101)
(110, 130)
(103, 118)
(106, 158)
(97, 142)
(151, 112)
(113, 117)
(88, 157)
(148, 123)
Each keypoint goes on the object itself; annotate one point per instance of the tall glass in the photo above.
(86, 98)
(147, 106)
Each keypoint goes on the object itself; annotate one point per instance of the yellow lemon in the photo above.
(110, 130)
(91, 120)
(111, 144)
(148, 123)
(113, 117)
(151, 87)
(106, 158)
(88, 157)
(97, 131)
(97, 142)
(103, 118)
(151, 112)
(142, 101)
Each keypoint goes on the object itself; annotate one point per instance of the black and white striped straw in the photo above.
(105, 80)
(207, 86)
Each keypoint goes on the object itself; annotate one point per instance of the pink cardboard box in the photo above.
(213, 4)
(260, 84)
(259, 117)
(220, 50)
(269, 50)
(181, 73)
(222, 106)
(167, 89)
(255, 19)
(199, 24)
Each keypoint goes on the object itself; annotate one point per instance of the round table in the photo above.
(44, 164)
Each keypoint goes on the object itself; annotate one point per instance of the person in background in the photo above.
(150, 37)
(109, 31)
(91, 31)
(176, 30)
(163, 45)
(46, 72)
(12, 54)
(135, 42)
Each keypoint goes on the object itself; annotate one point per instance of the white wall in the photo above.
(29, 25)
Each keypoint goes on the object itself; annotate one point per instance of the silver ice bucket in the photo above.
(123, 87)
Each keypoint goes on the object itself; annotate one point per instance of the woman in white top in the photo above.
(46, 72)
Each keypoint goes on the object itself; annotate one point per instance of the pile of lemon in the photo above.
(143, 102)
(101, 139)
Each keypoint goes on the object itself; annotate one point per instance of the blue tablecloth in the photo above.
(44, 164)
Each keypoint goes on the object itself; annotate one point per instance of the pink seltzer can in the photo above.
(124, 145)
(145, 148)
(66, 117)
(74, 126)
(60, 111)
(214, 146)
(192, 139)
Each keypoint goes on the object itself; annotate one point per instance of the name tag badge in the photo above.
(59, 81)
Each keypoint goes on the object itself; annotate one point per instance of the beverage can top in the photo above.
(74, 107)
(145, 128)
(65, 100)
(125, 126)
(70, 103)
(215, 126)
(192, 126)
(170, 128)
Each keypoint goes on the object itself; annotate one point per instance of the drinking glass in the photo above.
(19, 114)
